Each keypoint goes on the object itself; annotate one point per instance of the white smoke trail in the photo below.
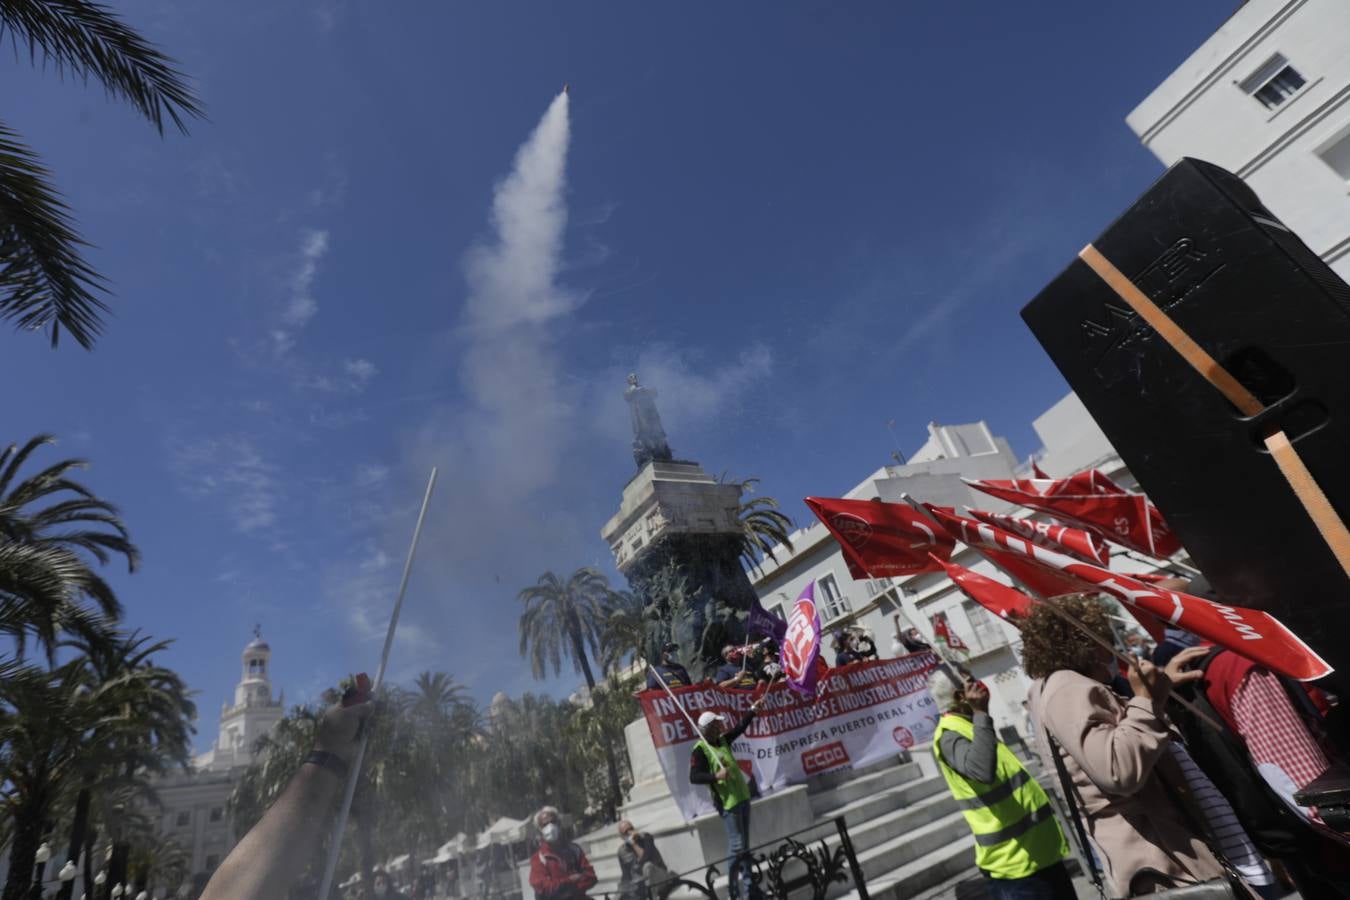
(512, 281)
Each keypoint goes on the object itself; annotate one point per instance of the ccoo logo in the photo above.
(819, 759)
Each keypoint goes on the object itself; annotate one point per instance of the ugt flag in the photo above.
(1074, 542)
(881, 540)
(1252, 633)
(762, 622)
(999, 599)
(992, 543)
(801, 643)
(1093, 502)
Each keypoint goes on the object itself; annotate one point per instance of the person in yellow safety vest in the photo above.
(713, 763)
(1019, 847)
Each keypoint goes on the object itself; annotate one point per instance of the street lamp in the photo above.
(68, 871)
(118, 891)
(44, 853)
(101, 879)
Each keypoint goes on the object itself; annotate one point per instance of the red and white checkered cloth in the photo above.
(1273, 730)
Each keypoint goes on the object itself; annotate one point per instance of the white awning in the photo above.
(506, 831)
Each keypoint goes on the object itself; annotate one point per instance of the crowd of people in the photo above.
(1177, 764)
(1176, 767)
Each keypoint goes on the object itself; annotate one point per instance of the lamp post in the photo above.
(40, 857)
(67, 877)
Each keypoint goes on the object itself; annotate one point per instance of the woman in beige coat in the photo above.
(1134, 799)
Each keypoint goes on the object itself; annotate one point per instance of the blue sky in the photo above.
(796, 220)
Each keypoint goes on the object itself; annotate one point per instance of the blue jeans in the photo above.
(737, 820)
(1050, 883)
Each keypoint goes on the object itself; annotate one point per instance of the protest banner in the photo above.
(863, 713)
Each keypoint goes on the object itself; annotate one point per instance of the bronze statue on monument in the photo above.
(649, 438)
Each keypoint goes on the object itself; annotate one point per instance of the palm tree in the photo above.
(50, 524)
(763, 527)
(623, 633)
(564, 618)
(153, 704)
(44, 280)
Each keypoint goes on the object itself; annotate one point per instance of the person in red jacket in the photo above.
(559, 870)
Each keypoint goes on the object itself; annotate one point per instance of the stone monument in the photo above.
(673, 511)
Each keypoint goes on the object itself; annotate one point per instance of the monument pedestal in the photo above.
(673, 511)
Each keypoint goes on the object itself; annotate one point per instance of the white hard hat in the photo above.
(707, 719)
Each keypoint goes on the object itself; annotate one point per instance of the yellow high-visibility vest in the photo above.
(1016, 833)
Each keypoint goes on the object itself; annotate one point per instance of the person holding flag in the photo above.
(1123, 776)
(1019, 847)
(713, 763)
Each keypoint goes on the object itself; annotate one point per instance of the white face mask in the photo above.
(550, 832)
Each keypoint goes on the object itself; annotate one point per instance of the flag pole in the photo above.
(1081, 626)
(330, 866)
(676, 700)
(1158, 561)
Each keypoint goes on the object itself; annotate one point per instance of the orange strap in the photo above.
(1180, 341)
(1301, 481)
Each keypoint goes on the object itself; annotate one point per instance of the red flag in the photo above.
(941, 632)
(1071, 541)
(881, 540)
(1037, 471)
(1252, 633)
(999, 599)
(983, 538)
(1093, 502)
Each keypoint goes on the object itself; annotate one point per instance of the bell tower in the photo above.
(254, 711)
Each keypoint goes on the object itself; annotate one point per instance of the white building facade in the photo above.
(1071, 442)
(194, 812)
(1268, 98)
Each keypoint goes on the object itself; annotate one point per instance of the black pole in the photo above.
(77, 829)
(847, 843)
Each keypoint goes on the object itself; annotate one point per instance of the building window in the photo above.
(988, 634)
(876, 586)
(184, 818)
(1274, 83)
(1337, 155)
(217, 813)
(829, 600)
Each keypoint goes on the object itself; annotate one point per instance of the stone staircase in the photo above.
(904, 825)
(910, 839)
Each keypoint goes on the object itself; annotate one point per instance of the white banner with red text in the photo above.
(862, 713)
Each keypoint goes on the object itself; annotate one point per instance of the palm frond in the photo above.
(44, 279)
(87, 39)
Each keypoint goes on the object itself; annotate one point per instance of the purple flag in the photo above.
(763, 622)
(801, 643)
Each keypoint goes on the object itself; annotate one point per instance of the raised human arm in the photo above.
(1117, 751)
(276, 851)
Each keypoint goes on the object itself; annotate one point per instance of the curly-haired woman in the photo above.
(1130, 788)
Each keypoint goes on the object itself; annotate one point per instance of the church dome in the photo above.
(257, 644)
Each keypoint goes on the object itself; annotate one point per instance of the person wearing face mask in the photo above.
(1019, 847)
(559, 870)
(383, 889)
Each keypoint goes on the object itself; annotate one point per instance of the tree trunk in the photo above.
(615, 792)
(22, 847)
(77, 830)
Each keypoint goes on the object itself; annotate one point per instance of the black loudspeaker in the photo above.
(1247, 290)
